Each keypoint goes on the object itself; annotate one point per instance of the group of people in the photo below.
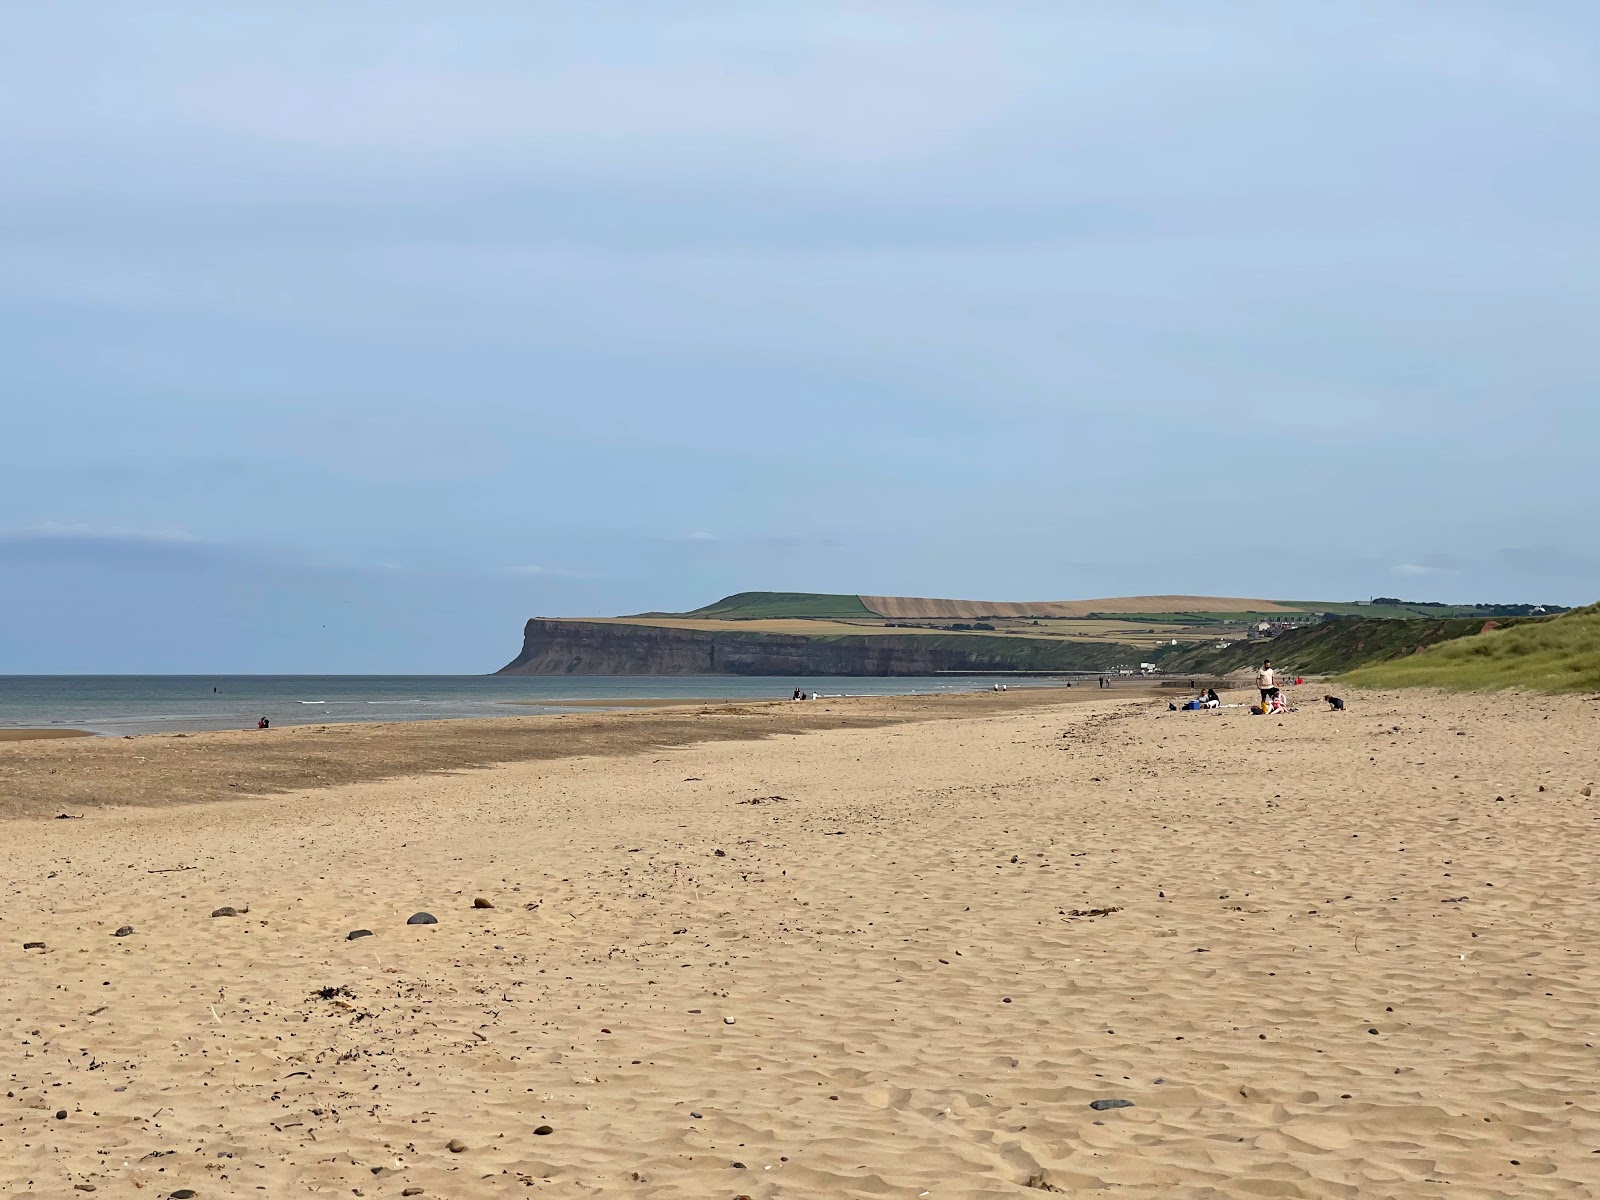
(1272, 697)
(1206, 699)
(802, 694)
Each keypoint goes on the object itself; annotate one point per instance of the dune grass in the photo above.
(1558, 655)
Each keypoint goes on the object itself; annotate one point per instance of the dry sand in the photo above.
(1345, 955)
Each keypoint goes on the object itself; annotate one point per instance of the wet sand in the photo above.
(40, 735)
(1324, 955)
(41, 778)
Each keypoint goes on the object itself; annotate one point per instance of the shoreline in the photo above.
(50, 776)
(42, 734)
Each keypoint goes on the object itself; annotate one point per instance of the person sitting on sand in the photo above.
(1210, 699)
(1334, 703)
(263, 723)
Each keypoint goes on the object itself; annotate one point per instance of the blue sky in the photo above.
(346, 337)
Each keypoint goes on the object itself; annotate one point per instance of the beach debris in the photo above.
(542, 1130)
(697, 1116)
(1042, 1184)
(738, 1166)
(124, 931)
(1588, 789)
(482, 902)
(182, 1194)
(455, 1146)
(411, 1191)
(333, 993)
(1103, 1105)
(83, 1187)
(422, 918)
(357, 933)
(766, 800)
(33, 945)
(729, 1021)
(720, 853)
(225, 911)
(70, 817)
(1094, 912)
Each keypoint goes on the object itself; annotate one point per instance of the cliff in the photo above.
(554, 647)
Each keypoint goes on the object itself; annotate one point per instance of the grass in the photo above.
(1322, 649)
(1561, 654)
(746, 606)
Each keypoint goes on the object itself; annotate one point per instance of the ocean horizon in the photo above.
(114, 705)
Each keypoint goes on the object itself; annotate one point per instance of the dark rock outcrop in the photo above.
(575, 647)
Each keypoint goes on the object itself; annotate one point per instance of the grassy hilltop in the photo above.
(1558, 654)
(1398, 640)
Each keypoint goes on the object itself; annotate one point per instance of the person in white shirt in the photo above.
(1264, 682)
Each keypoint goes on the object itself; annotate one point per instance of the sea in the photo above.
(114, 705)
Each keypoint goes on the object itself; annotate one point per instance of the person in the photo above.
(1334, 703)
(263, 723)
(1212, 700)
(1264, 682)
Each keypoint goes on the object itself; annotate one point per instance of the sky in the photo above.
(346, 337)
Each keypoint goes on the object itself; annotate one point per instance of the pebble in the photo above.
(182, 1194)
(124, 931)
(225, 911)
(412, 1191)
(455, 1145)
(83, 1187)
(481, 902)
(697, 1116)
(61, 1114)
(1102, 1105)
(729, 1021)
(422, 918)
(357, 933)
(543, 1130)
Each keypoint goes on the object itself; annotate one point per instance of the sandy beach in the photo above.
(887, 948)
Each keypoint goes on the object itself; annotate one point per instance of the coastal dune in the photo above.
(1041, 947)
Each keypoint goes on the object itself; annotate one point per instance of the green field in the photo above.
(1558, 654)
(752, 606)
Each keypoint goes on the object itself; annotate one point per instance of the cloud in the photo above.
(553, 572)
(1420, 571)
(56, 543)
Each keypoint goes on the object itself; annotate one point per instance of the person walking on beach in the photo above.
(1264, 682)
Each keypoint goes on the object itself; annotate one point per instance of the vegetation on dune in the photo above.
(1558, 654)
(1393, 606)
(1323, 649)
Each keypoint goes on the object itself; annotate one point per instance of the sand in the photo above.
(156, 769)
(1323, 955)
(38, 735)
